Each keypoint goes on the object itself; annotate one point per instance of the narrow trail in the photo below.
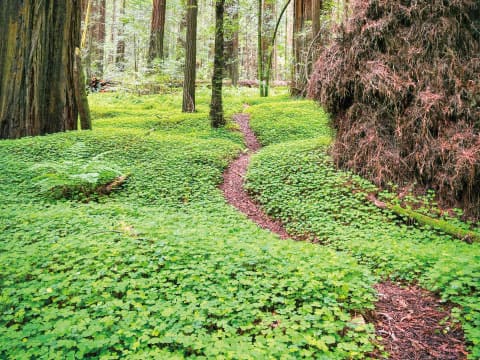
(234, 177)
(406, 318)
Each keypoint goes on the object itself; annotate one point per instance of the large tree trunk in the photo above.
(157, 32)
(216, 107)
(190, 58)
(37, 56)
(302, 13)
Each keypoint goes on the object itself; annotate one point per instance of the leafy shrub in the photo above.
(73, 179)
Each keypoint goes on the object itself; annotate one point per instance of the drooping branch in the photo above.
(272, 47)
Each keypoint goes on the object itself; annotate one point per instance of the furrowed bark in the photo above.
(157, 32)
(190, 58)
(37, 54)
(216, 107)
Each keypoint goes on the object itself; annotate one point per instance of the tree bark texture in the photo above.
(232, 42)
(97, 38)
(216, 107)
(302, 13)
(259, 46)
(120, 57)
(157, 31)
(316, 12)
(81, 93)
(37, 56)
(190, 57)
(271, 49)
(268, 19)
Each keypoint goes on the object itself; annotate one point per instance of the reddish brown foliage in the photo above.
(402, 81)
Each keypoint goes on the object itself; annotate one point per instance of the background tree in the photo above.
(37, 57)
(157, 31)
(260, 62)
(232, 40)
(190, 58)
(302, 14)
(271, 52)
(96, 44)
(126, 59)
(120, 54)
(216, 107)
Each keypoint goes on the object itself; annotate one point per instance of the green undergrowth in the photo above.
(278, 121)
(162, 268)
(296, 182)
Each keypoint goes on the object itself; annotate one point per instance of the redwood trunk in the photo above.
(157, 32)
(97, 38)
(190, 58)
(37, 57)
(302, 13)
(216, 107)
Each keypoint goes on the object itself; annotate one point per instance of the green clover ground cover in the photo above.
(295, 181)
(162, 268)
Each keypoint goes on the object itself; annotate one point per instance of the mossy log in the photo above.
(439, 224)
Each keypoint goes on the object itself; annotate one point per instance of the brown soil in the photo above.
(407, 319)
(234, 177)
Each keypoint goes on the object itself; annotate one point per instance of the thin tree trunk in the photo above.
(216, 107)
(181, 38)
(86, 23)
(272, 47)
(120, 58)
(113, 32)
(260, 47)
(97, 46)
(80, 92)
(37, 52)
(316, 12)
(157, 31)
(188, 104)
(232, 42)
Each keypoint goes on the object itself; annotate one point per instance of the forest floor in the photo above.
(410, 321)
(163, 267)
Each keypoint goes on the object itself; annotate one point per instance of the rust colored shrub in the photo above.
(402, 81)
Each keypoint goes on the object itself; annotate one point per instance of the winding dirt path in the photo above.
(406, 318)
(234, 178)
